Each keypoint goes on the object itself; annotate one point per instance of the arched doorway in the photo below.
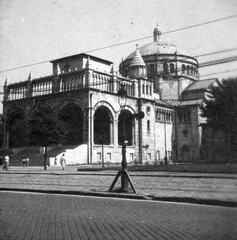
(16, 129)
(102, 126)
(125, 127)
(71, 117)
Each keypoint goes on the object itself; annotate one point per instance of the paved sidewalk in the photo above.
(215, 189)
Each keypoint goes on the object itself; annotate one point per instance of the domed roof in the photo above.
(157, 47)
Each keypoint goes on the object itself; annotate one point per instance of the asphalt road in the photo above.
(50, 216)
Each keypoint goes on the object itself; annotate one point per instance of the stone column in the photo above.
(135, 85)
(114, 77)
(56, 80)
(115, 140)
(6, 91)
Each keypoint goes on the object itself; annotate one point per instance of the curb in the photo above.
(131, 173)
(211, 202)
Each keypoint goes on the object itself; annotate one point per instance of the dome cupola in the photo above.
(137, 59)
(157, 33)
(137, 67)
(157, 47)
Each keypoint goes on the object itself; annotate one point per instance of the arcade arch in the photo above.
(126, 127)
(72, 120)
(103, 126)
(40, 125)
(16, 128)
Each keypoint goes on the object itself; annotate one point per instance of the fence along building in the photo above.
(83, 90)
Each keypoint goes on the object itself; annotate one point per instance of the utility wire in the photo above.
(210, 63)
(204, 23)
(219, 61)
(176, 30)
(183, 58)
(212, 53)
(119, 44)
(206, 75)
(205, 64)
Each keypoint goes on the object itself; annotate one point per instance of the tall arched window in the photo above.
(152, 69)
(148, 126)
(165, 68)
(125, 128)
(102, 126)
(183, 68)
(188, 69)
(172, 68)
(192, 70)
(158, 115)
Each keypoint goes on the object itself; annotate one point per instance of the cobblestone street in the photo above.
(176, 186)
(26, 212)
(46, 216)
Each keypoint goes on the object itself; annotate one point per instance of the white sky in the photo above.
(32, 31)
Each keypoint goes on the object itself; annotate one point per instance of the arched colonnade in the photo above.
(107, 125)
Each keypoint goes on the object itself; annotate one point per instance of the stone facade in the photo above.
(160, 81)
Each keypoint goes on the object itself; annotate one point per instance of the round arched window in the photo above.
(148, 110)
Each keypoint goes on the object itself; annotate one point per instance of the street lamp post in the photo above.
(122, 94)
(125, 179)
(124, 176)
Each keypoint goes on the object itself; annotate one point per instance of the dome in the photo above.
(159, 58)
(158, 46)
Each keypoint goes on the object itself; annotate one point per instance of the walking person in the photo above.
(6, 162)
(27, 162)
(63, 161)
(23, 162)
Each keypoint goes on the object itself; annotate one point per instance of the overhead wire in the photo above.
(119, 44)
(172, 31)
(216, 52)
(216, 73)
(206, 64)
(209, 63)
(175, 72)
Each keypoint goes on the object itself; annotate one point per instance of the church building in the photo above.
(160, 80)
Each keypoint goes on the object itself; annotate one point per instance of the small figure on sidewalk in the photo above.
(23, 162)
(6, 162)
(27, 162)
(63, 161)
